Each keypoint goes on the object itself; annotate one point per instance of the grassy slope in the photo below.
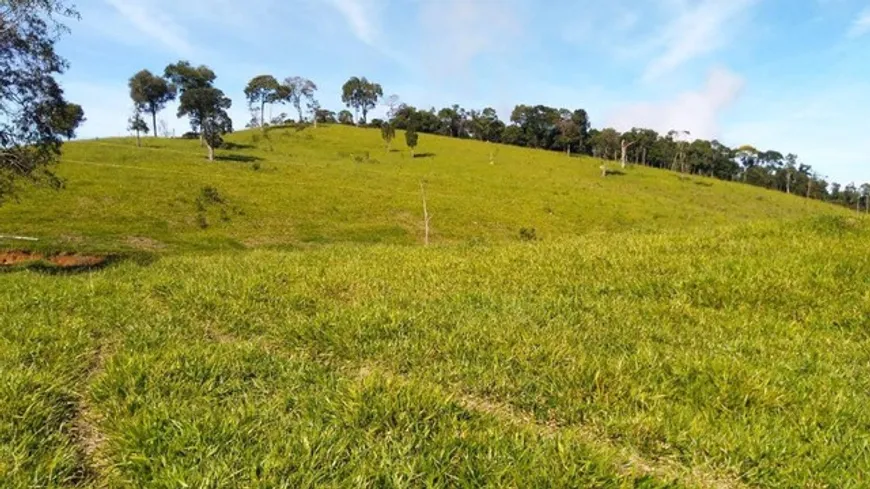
(310, 189)
(695, 355)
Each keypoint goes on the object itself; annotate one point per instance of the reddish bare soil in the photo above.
(63, 260)
(16, 257)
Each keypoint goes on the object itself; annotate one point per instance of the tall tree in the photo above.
(313, 107)
(137, 124)
(67, 120)
(262, 90)
(361, 95)
(388, 133)
(605, 144)
(569, 132)
(393, 102)
(151, 93)
(411, 139)
(486, 126)
(207, 107)
(31, 100)
(184, 76)
(297, 90)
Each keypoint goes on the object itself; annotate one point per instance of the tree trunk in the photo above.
(138, 140)
(301, 119)
(624, 147)
(644, 156)
(154, 121)
(788, 183)
(210, 153)
(262, 115)
(569, 151)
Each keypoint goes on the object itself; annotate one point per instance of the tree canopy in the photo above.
(207, 108)
(35, 116)
(262, 90)
(298, 90)
(68, 119)
(361, 95)
(151, 93)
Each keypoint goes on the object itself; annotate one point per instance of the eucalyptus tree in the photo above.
(207, 107)
(361, 95)
(185, 77)
(151, 93)
(262, 90)
(298, 90)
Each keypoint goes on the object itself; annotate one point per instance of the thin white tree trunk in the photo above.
(210, 153)
(425, 215)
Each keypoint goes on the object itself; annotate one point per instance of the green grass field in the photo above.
(292, 331)
(338, 184)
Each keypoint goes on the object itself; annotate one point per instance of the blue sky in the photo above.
(790, 75)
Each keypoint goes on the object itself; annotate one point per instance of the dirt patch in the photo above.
(9, 258)
(62, 260)
(74, 260)
(143, 243)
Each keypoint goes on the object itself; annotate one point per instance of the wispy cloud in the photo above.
(695, 29)
(363, 18)
(459, 31)
(358, 16)
(861, 25)
(151, 22)
(697, 111)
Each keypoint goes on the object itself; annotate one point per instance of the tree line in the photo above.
(38, 117)
(532, 126)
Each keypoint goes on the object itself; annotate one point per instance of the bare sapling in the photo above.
(426, 216)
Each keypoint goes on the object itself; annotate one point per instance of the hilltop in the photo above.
(336, 184)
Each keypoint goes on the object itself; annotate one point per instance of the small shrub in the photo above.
(202, 220)
(256, 166)
(528, 234)
(190, 135)
(211, 195)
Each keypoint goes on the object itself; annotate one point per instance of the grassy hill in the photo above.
(662, 332)
(339, 184)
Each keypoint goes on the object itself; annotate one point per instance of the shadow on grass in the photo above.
(424, 155)
(615, 173)
(48, 267)
(238, 158)
(235, 146)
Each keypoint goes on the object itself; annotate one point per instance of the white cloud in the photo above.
(861, 25)
(357, 13)
(456, 32)
(151, 22)
(695, 30)
(697, 112)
